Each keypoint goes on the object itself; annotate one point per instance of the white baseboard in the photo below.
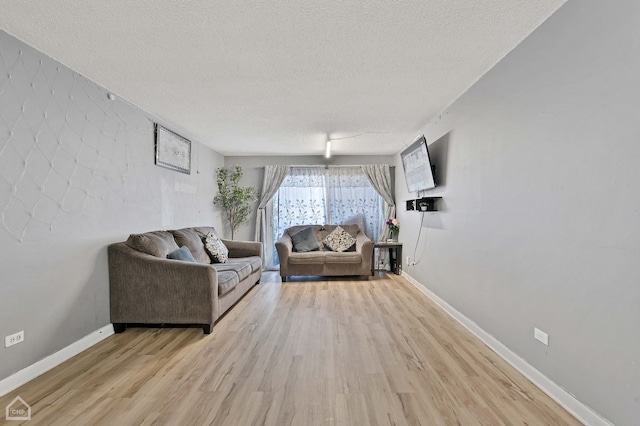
(31, 372)
(569, 402)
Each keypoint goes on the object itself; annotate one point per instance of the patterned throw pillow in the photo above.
(215, 247)
(339, 240)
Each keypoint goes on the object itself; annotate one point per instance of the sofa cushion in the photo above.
(339, 240)
(242, 269)
(343, 257)
(308, 258)
(321, 233)
(254, 261)
(297, 228)
(156, 243)
(202, 231)
(182, 253)
(305, 240)
(227, 281)
(190, 238)
(216, 248)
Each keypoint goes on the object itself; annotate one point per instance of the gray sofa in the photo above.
(325, 262)
(147, 288)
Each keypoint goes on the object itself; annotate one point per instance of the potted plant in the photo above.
(232, 198)
(424, 206)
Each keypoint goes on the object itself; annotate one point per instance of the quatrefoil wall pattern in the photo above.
(65, 147)
(53, 129)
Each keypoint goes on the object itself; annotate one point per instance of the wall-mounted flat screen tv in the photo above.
(416, 163)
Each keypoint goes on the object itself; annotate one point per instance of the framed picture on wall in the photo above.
(172, 150)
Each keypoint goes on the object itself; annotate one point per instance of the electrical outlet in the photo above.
(14, 339)
(408, 260)
(541, 336)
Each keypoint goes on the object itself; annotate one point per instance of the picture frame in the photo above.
(172, 150)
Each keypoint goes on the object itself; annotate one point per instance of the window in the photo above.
(336, 195)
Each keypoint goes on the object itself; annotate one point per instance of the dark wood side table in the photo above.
(395, 256)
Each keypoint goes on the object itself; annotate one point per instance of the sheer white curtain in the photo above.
(352, 199)
(300, 200)
(334, 195)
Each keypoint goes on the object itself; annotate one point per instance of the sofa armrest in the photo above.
(147, 289)
(243, 248)
(364, 246)
(284, 247)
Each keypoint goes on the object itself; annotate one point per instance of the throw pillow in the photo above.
(339, 240)
(156, 243)
(193, 241)
(182, 253)
(215, 247)
(305, 240)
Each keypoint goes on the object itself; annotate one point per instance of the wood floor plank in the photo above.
(307, 352)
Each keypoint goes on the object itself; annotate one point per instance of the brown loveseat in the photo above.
(147, 288)
(356, 261)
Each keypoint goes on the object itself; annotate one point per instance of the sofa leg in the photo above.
(284, 278)
(206, 328)
(119, 327)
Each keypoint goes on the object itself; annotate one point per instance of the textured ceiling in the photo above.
(280, 76)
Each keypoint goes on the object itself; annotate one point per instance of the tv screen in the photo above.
(417, 166)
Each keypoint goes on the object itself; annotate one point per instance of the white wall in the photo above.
(76, 173)
(541, 215)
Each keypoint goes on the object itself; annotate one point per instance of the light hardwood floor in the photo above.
(331, 352)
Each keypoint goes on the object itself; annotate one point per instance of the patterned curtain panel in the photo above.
(317, 196)
(301, 199)
(352, 199)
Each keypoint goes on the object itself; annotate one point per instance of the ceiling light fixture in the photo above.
(327, 152)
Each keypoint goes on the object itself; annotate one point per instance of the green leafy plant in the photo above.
(235, 200)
